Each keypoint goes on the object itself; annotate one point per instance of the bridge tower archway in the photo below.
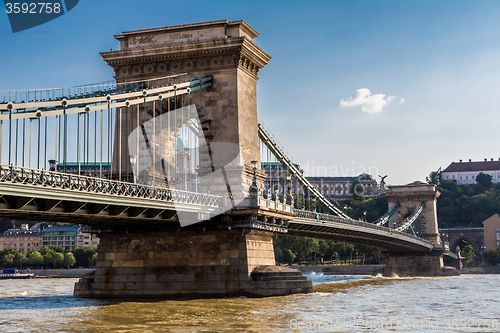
(460, 243)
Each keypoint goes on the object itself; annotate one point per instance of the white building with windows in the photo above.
(465, 173)
(68, 238)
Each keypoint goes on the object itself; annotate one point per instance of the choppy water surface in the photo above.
(340, 304)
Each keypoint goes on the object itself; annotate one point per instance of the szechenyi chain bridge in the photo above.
(181, 208)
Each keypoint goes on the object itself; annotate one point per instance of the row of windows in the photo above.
(332, 185)
(337, 192)
(58, 243)
(22, 238)
(340, 185)
(51, 238)
(467, 177)
(14, 245)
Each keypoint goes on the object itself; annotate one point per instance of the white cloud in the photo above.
(369, 103)
(402, 100)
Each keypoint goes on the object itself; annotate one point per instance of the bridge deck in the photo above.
(309, 224)
(41, 195)
(31, 193)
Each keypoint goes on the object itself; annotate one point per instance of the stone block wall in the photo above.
(187, 264)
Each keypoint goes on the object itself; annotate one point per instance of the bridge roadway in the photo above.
(30, 194)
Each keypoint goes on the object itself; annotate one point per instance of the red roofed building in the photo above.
(464, 173)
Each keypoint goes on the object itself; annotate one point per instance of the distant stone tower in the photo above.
(410, 197)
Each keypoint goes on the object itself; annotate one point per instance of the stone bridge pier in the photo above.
(408, 198)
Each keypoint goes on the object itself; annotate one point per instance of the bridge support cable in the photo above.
(295, 172)
(411, 218)
(384, 219)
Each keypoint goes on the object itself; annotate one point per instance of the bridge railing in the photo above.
(332, 218)
(15, 174)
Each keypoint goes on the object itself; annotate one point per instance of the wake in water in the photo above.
(320, 277)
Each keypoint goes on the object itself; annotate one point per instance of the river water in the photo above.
(469, 303)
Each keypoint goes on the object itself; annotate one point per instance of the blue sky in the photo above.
(426, 74)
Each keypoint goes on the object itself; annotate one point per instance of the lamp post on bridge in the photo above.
(133, 161)
(254, 189)
(52, 165)
(288, 198)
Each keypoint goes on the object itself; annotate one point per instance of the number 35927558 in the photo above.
(33, 8)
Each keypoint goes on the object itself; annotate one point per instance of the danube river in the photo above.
(469, 303)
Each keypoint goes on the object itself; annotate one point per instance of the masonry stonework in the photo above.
(189, 264)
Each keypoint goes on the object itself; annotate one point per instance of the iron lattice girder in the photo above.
(29, 192)
(309, 224)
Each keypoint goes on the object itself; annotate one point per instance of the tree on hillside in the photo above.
(357, 190)
(484, 180)
(434, 178)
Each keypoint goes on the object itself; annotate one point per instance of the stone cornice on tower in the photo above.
(421, 192)
(208, 46)
(196, 31)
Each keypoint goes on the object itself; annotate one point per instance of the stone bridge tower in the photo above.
(410, 197)
(227, 255)
(227, 110)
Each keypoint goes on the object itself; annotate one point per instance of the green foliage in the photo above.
(374, 208)
(468, 253)
(484, 180)
(35, 258)
(434, 178)
(278, 255)
(69, 259)
(466, 205)
(51, 248)
(53, 259)
(9, 257)
(9, 260)
(51, 256)
(93, 260)
(299, 246)
(288, 256)
(357, 190)
(492, 256)
(82, 256)
(289, 249)
(20, 259)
